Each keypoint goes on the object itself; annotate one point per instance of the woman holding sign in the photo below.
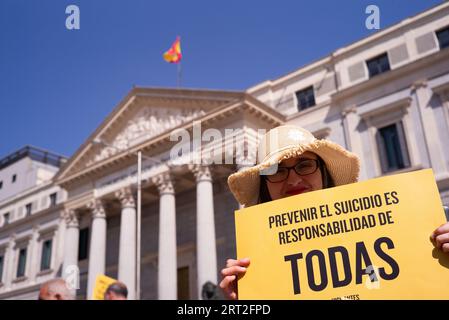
(291, 162)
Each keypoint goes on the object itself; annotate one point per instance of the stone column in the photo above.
(8, 268)
(127, 247)
(71, 238)
(205, 227)
(70, 270)
(444, 96)
(97, 252)
(353, 138)
(167, 265)
(35, 259)
(435, 151)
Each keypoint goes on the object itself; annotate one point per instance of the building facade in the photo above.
(385, 97)
(31, 234)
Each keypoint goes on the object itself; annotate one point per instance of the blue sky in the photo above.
(57, 85)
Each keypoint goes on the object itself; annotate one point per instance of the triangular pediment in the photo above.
(143, 114)
(148, 122)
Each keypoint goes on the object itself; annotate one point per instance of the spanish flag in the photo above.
(173, 55)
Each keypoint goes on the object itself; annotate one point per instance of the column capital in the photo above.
(201, 172)
(97, 209)
(126, 197)
(11, 241)
(71, 218)
(349, 109)
(164, 183)
(421, 83)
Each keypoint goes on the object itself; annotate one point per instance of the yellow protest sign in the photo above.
(102, 283)
(367, 240)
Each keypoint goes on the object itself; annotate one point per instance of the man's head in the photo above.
(208, 291)
(55, 289)
(116, 291)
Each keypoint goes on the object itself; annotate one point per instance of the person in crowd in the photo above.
(116, 291)
(56, 289)
(292, 161)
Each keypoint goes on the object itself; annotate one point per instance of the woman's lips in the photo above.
(297, 190)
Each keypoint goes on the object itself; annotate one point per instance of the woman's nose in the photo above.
(293, 177)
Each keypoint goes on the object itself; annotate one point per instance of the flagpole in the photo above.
(179, 74)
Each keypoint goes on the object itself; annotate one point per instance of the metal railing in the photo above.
(34, 153)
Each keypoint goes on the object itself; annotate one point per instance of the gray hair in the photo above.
(59, 287)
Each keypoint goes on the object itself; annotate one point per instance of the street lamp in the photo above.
(139, 205)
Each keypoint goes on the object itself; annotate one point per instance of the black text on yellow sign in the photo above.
(368, 240)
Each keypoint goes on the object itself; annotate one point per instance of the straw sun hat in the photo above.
(286, 142)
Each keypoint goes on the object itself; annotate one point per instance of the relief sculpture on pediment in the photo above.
(146, 124)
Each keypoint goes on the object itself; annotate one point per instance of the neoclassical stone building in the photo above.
(385, 97)
(31, 233)
(187, 210)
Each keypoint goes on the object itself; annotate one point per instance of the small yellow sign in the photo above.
(367, 240)
(102, 283)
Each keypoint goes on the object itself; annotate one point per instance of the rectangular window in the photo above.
(392, 148)
(306, 98)
(14, 178)
(183, 283)
(1, 268)
(46, 255)
(443, 37)
(378, 65)
(22, 262)
(53, 199)
(83, 249)
(28, 209)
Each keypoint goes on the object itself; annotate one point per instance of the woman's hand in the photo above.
(235, 269)
(440, 237)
